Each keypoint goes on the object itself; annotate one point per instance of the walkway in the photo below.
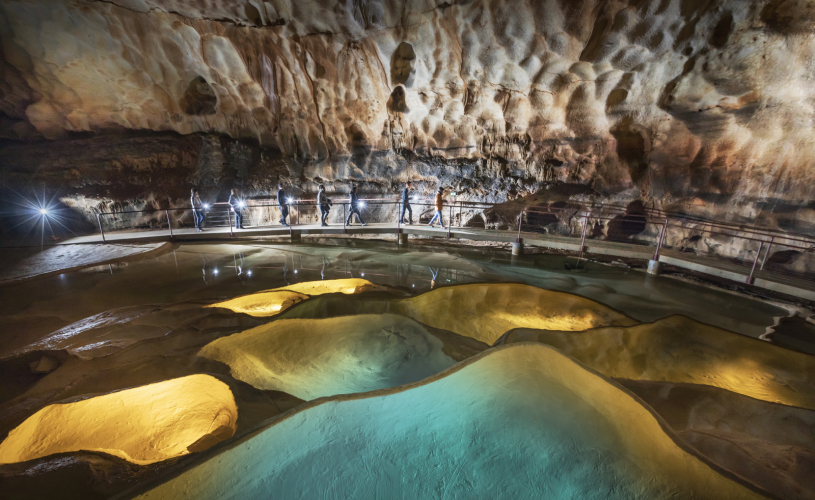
(722, 268)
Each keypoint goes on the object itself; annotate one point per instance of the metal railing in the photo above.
(747, 247)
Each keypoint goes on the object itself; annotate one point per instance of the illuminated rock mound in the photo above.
(142, 425)
(521, 421)
(346, 286)
(311, 358)
(483, 311)
(262, 304)
(272, 302)
(679, 349)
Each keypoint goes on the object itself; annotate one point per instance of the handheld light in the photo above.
(43, 211)
(361, 203)
(241, 204)
(215, 271)
(206, 205)
(289, 200)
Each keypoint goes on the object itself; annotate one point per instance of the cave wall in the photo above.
(698, 106)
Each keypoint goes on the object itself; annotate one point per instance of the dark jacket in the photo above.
(234, 202)
(196, 202)
(406, 195)
(281, 197)
(354, 200)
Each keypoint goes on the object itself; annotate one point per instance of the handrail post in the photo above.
(297, 207)
(399, 217)
(750, 279)
(169, 225)
(344, 220)
(101, 229)
(583, 237)
(460, 207)
(450, 221)
(229, 216)
(661, 239)
(767, 254)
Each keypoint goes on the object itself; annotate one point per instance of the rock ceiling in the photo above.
(668, 100)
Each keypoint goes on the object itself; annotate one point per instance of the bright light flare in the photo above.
(44, 211)
(289, 200)
(361, 203)
(241, 204)
(214, 271)
(206, 205)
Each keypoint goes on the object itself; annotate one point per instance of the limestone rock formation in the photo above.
(699, 106)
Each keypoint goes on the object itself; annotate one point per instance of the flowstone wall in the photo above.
(687, 105)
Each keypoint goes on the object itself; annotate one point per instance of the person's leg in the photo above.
(284, 213)
(441, 218)
(402, 216)
(435, 216)
(410, 213)
(323, 214)
(203, 217)
(195, 219)
(350, 216)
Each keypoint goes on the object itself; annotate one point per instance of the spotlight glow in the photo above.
(249, 273)
(361, 203)
(44, 211)
(362, 274)
(206, 205)
(215, 271)
(295, 271)
(241, 204)
(289, 200)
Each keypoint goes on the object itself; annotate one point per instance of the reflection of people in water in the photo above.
(433, 279)
(322, 271)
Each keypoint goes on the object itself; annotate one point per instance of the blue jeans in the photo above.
(354, 210)
(238, 219)
(437, 216)
(198, 217)
(406, 206)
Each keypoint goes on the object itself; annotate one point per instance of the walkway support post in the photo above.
(344, 220)
(449, 222)
(750, 279)
(229, 216)
(654, 265)
(767, 254)
(169, 225)
(101, 229)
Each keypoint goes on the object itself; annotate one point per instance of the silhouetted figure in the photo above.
(197, 210)
(283, 203)
(406, 205)
(356, 204)
(439, 208)
(325, 205)
(236, 205)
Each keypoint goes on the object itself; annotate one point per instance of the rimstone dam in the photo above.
(411, 249)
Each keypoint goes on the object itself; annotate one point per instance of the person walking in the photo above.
(439, 208)
(325, 205)
(283, 203)
(197, 210)
(355, 206)
(406, 205)
(236, 205)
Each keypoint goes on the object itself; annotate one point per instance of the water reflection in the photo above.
(214, 272)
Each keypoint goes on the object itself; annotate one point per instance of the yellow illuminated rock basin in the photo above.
(262, 304)
(679, 349)
(347, 286)
(483, 311)
(142, 425)
(520, 421)
(311, 358)
(272, 302)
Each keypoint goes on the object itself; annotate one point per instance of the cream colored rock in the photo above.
(667, 101)
(142, 425)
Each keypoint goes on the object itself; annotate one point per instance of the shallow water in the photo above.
(32, 309)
